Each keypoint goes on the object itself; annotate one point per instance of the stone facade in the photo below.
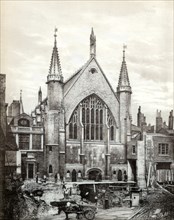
(87, 124)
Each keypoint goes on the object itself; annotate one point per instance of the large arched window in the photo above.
(92, 115)
(92, 119)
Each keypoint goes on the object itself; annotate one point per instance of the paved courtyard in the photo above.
(118, 213)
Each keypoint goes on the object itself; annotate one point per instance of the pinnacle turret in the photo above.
(123, 83)
(39, 95)
(92, 44)
(21, 103)
(55, 72)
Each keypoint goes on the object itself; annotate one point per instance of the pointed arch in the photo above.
(92, 110)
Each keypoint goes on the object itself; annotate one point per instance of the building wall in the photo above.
(141, 165)
(152, 146)
(30, 142)
(55, 95)
(2, 141)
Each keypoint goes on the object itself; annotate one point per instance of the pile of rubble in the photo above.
(159, 204)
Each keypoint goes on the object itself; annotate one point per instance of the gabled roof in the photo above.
(70, 81)
(78, 73)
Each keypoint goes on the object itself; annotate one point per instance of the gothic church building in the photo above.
(87, 123)
(84, 124)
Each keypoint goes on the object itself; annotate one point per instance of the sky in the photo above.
(146, 27)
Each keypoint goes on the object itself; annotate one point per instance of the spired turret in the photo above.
(54, 121)
(124, 93)
(55, 80)
(123, 83)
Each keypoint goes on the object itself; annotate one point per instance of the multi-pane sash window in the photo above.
(24, 141)
(92, 120)
(163, 149)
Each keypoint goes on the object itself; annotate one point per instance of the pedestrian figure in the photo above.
(70, 191)
(55, 177)
(63, 188)
(45, 178)
(66, 194)
(37, 178)
(96, 200)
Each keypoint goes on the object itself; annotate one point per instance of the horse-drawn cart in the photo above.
(70, 206)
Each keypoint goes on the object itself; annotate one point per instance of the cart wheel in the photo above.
(89, 214)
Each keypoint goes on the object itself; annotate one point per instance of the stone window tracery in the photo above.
(111, 125)
(73, 126)
(92, 110)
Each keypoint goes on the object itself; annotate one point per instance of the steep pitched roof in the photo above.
(77, 74)
(71, 80)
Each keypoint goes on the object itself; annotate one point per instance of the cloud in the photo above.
(146, 27)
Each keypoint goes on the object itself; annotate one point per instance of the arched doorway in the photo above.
(74, 176)
(95, 174)
(119, 175)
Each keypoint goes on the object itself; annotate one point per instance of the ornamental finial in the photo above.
(124, 47)
(21, 94)
(55, 35)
